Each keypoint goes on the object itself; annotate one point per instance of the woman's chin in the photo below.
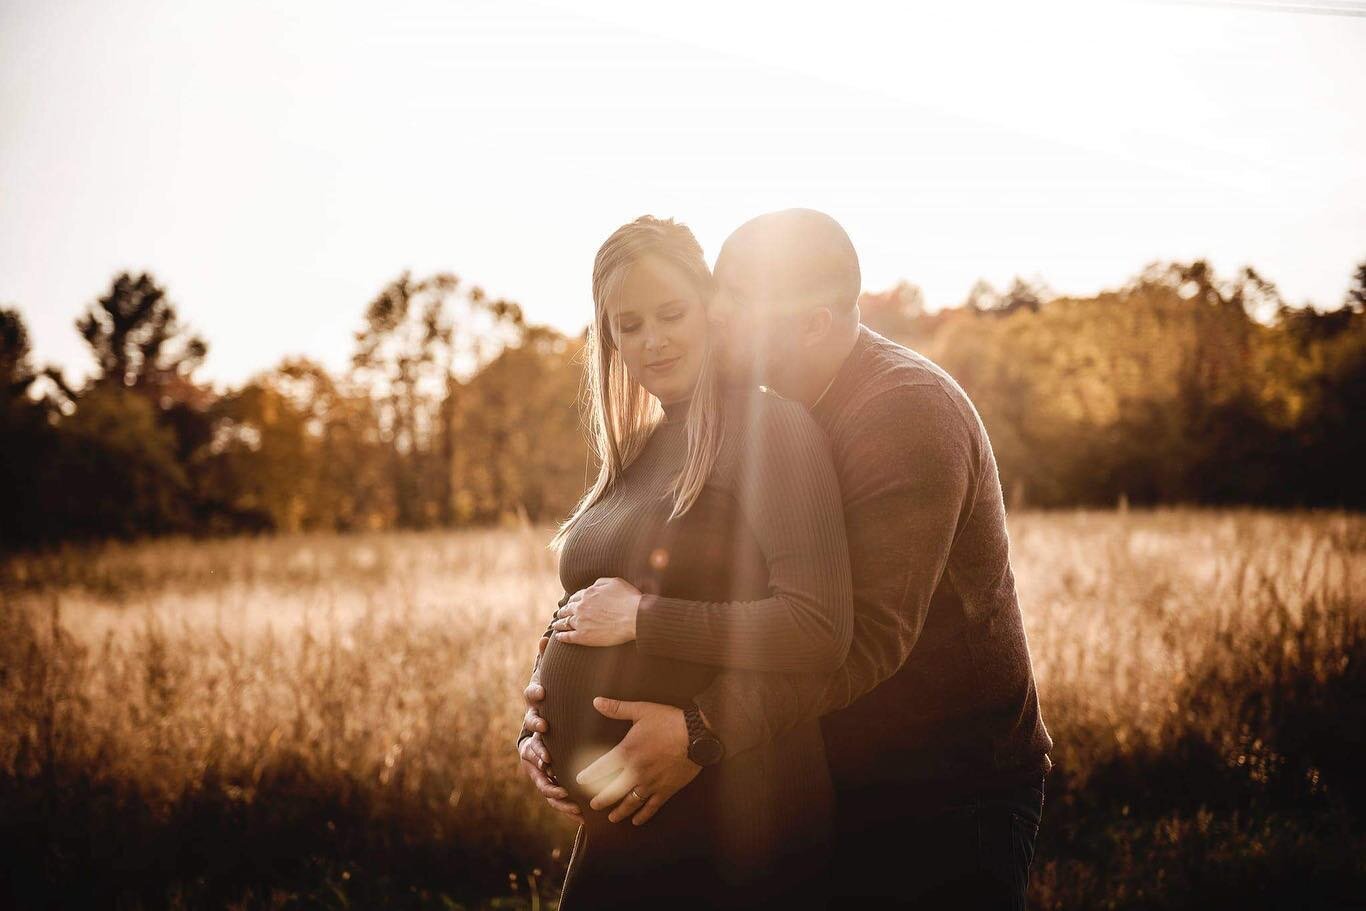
(671, 393)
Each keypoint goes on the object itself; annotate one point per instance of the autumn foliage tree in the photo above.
(519, 443)
(1181, 386)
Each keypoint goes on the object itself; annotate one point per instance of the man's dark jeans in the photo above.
(904, 852)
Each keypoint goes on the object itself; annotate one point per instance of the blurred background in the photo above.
(291, 306)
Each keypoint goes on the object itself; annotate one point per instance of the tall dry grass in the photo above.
(325, 721)
(1204, 676)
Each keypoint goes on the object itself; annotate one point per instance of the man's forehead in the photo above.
(752, 284)
(745, 257)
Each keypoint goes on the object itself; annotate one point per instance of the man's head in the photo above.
(787, 301)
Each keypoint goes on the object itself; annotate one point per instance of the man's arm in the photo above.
(910, 465)
(789, 495)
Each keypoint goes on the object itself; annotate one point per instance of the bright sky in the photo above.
(276, 163)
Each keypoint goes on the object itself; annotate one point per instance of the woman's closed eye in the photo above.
(667, 316)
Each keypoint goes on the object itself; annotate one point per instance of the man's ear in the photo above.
(816, 325)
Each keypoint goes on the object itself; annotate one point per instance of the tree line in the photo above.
(454, 411)
(1179, 387)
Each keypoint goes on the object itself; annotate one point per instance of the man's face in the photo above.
(752, 335)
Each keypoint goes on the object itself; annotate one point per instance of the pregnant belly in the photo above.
(573, 674)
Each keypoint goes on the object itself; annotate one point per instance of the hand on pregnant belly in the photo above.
(649, 766)
(602, 614)
(583, 731)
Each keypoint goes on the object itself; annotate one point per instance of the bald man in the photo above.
(935, 742)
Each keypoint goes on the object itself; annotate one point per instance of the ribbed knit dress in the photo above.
(768, 529)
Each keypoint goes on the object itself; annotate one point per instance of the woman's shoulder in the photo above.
(760, 419)
(763, 406)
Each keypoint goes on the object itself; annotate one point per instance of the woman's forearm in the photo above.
(779, 633)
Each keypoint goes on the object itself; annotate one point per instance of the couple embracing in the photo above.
(790, 669)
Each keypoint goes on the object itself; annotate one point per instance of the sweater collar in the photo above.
(676, 412)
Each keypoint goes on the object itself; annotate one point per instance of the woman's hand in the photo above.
(604, 613)
(535, 761)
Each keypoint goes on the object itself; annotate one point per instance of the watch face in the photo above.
(706, 751)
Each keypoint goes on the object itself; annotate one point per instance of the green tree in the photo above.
(417, 338)
(1356, 292)
(116, 472)
(136, 336)
(25, 436)
(16, 371)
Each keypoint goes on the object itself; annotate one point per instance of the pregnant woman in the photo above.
(720, 507)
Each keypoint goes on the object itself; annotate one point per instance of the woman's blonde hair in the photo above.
(621, 414)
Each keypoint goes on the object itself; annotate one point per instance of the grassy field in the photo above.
(328, 721)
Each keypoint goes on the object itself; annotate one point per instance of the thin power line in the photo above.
(1354, 10)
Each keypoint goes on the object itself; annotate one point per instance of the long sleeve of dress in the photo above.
(786, 486)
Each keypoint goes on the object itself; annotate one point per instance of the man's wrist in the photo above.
(734, 711)
(704, 747)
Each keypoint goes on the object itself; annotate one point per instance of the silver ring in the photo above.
(570, 621)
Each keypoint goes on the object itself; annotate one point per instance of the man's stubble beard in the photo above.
(740, 369)
(750, 361)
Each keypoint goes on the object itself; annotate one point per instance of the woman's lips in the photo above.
(662, 366)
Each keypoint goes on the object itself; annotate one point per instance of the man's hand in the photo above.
(649, 766)
(535, 757)
(604, 613)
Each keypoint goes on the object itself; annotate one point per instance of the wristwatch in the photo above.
(703, 747)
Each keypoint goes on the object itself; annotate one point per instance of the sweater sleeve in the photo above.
(786, 487)
(910, 464)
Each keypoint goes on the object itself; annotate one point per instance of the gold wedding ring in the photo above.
(637, 795)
